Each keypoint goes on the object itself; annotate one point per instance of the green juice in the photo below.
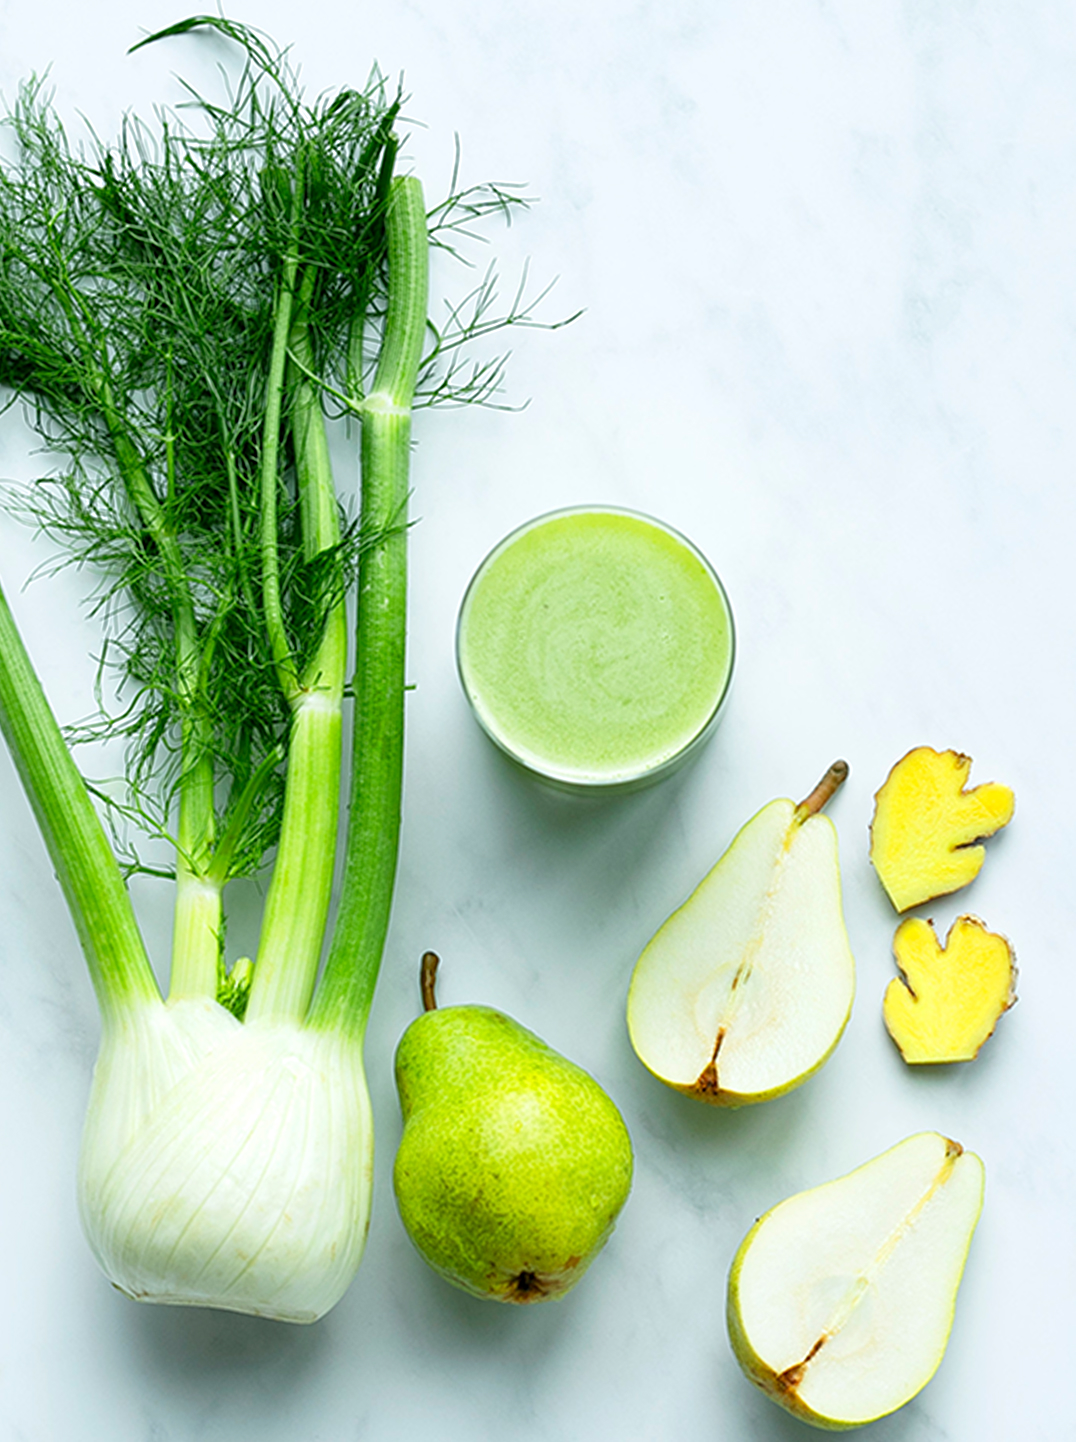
(596, 648)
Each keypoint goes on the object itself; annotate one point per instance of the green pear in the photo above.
(513, 1163)
(841, 1299)
(744, 991)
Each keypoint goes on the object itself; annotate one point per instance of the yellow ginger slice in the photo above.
(925, 825)
(951, 996)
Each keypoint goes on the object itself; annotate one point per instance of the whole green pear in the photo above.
(513, 1163)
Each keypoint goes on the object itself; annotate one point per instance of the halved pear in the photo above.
(744, 991)
(841, 1299)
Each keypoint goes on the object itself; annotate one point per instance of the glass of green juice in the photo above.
(595, 646)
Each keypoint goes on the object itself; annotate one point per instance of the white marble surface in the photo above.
(827, 256)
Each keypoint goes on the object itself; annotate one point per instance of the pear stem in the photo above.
(428, 980)
(813, 804)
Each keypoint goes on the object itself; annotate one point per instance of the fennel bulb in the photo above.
(227, 1165)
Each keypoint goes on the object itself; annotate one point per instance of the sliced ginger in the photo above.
(951, 996)
(925, 825)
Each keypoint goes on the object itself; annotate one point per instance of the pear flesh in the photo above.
(744, 991)
(841, 1299)
(513, 1163)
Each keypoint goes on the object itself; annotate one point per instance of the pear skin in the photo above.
(513, 1164)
